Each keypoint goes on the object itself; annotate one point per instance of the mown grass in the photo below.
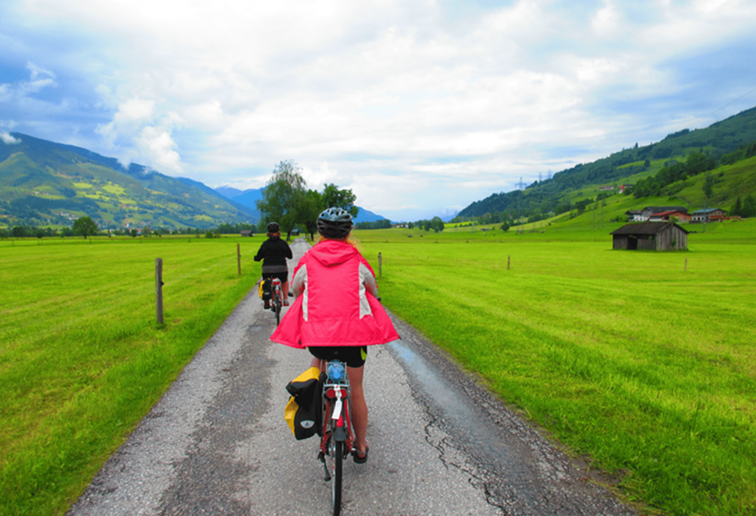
(627, 358)
(82, 358)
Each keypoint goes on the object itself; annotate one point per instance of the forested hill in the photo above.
(547, 196)
(47, 183)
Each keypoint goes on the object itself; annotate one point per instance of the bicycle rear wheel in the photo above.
(277, 306)
(337, 464)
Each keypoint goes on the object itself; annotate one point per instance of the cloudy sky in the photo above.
(419, 106)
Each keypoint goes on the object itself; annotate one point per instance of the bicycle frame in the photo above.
(276, 298)
(337, 439)
(275, 289)
(338, 423)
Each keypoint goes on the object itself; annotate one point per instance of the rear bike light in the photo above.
(335, 371)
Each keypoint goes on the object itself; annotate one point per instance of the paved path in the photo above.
(217, 444)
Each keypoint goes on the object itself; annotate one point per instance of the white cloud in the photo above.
(128, 121)
(606, 22)
(380, 92)
(8, 139)
(158, 147)
(146, 137)
(39, 79)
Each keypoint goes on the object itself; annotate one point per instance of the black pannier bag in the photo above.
(264, 289)
(304, 411)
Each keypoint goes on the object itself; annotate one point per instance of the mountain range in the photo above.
(45, 183)
(628, 165)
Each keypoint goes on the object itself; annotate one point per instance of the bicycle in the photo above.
(337, 437)
(276, 298)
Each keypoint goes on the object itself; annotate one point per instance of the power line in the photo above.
(711, 115)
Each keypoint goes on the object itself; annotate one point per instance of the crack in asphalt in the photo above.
(475, 479)
(517, 469)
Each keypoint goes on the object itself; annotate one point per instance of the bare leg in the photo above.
(285, 289)
(359, 407)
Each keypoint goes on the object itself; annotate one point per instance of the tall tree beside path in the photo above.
(85, 226)
(287, 200)
(282, 195)
(310, 207)
(334, 197)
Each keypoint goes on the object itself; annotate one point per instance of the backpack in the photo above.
(304, 411)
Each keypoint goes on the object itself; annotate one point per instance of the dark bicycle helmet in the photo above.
(334, 223)
(273, 227)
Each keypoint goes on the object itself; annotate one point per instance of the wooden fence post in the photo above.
(159, 289)
(686, 265)
(238, 259)
(508, 257)
(380, 265)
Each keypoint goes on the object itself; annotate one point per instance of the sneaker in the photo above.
(267, 305)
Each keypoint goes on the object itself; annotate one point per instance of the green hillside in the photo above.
(720, 143)
(48, 184)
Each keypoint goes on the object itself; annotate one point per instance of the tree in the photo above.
(282, 195)
(85, 226)
(749, 207)
(708, 186)
(335, 197)
(582, 205)
(310, 206)
(436, 224)
(737, 209)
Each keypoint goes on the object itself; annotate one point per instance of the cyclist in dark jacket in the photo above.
(274, 252)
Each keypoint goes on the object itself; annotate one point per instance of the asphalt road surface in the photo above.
(217, 443)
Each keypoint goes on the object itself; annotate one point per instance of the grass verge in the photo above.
(626, 357)
(82, 359)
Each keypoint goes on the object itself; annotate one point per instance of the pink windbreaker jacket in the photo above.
(336, 304)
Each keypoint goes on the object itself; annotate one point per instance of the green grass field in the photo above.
(644, 367)
(642, 362)
(82, 358)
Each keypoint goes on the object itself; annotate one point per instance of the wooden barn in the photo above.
(652, 236)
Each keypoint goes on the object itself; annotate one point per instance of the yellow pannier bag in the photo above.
(303, 412)
(261, 288)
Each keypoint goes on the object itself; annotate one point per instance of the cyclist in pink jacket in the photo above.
(337, 313)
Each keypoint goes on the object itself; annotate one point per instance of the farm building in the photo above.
(648, 211)
(652, 236)
(667, 215)
(709, 215)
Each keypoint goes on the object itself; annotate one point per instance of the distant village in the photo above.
(676, 214)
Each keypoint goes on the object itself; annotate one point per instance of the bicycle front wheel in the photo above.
(339, 453)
